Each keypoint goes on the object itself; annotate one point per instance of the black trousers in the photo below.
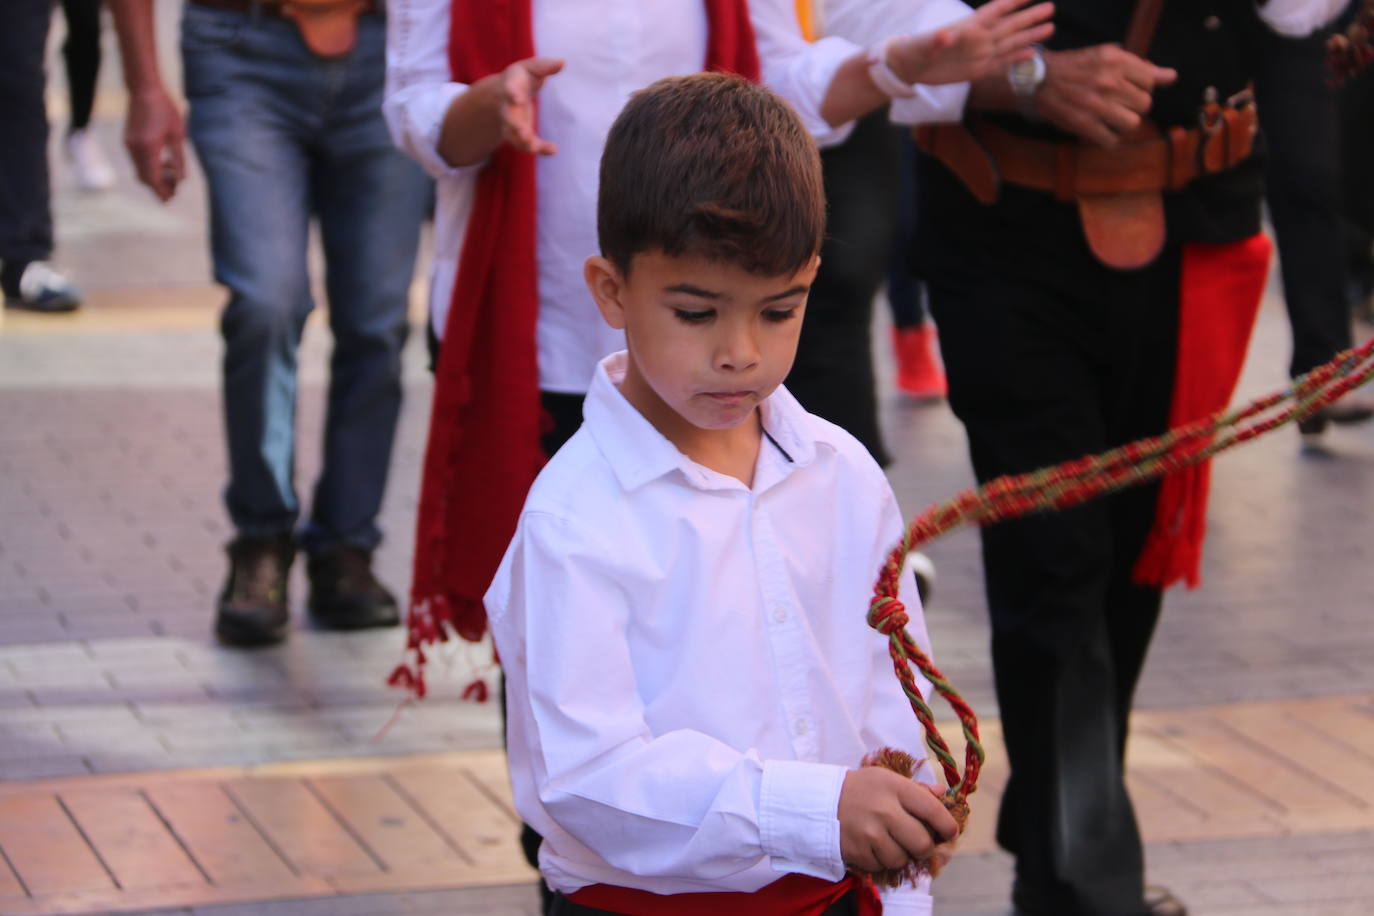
(81, 52)
(846, 906)
(1301, 118)
(833, 372)
(1045, 367)
(25, 209)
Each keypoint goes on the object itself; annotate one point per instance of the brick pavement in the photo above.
(110, 553)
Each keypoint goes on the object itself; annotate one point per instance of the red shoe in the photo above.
(919, 374)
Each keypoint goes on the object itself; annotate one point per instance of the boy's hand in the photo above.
(887, 820)
(520, 83)
(989, 40)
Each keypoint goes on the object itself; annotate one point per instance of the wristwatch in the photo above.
(1025, 78)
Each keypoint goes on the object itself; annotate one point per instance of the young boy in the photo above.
(690, 681)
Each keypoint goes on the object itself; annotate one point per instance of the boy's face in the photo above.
(708, 341)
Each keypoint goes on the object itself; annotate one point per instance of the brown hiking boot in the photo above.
(345, 595)
(252, 608)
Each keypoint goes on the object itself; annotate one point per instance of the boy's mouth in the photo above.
(728, 397)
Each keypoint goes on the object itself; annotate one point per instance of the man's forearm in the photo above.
(991, 93)
(134, 24)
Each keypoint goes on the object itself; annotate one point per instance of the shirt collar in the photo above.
(639, 453)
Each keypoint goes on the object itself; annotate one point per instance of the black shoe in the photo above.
(1346, 410)
(252, 608)
(1159, 901)
(344, 595)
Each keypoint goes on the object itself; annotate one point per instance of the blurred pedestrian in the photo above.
(865, 175)
(285, 115)
(81, 53)
(1300, 114)
(28, 279)
(915, 341)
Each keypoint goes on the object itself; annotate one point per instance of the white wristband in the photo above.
(878, 70)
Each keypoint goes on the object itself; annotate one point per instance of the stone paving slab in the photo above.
(1260, 806)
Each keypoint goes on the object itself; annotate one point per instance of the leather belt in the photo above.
(270, 7)
(1165, 162)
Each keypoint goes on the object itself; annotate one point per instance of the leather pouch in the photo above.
(1124, 231)
(329, 28)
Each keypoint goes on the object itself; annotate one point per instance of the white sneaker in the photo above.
(924, 570)
(42, 289)
(92, 170)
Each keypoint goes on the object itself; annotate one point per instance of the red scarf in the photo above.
(1219, 297)
(483, 451)
(791, 895)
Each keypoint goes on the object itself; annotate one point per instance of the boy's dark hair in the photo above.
(715, 166)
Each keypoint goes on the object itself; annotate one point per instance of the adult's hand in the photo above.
(1100, 93)
(988, 40)
(519, 84)
(155, 137)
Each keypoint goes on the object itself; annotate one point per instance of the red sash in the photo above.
(792, 895)
(485, 422)
(1219, 297)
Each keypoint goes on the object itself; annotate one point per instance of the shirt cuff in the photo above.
(909, 901)
(931, 105)
(799, 820)
(823, 59)
(423, 122)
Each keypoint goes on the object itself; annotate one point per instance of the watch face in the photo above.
(1026, 75)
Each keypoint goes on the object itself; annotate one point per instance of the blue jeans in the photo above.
(284, 136)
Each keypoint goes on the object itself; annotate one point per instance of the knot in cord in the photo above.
(887, 615)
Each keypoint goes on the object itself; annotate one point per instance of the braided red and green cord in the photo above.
(1070, 484)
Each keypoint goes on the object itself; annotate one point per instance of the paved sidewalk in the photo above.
(111, 536)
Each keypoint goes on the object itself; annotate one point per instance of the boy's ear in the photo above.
(607, 285)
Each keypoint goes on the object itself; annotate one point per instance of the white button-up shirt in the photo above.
(689, 673)
(612, 48)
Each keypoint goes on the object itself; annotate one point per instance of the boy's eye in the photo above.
(780, 315)
(693, 316)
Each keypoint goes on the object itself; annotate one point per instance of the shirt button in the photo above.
(800, 727)
(780, 613)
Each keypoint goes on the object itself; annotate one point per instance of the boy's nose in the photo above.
(737, 351)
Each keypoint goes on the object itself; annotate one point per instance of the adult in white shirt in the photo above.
(591, 56)
(610, 48)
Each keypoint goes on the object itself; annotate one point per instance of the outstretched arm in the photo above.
(154, 132)
(497, 109)
(985, 42)
(828, 81)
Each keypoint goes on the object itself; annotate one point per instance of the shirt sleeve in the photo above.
(932, 104)
(890, 719)
(419, 89)
(799, 70)
(674, 804)
(1297, 18)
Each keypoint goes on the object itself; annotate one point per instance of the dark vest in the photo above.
(1211, 43)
